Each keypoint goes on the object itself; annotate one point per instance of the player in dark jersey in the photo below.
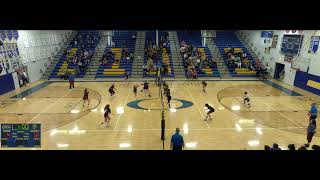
(135, 90)
(107, 112)
(146, 88)
(204, 85)
(111, 90)
(169, 100)
(86, 97)
(211, 110)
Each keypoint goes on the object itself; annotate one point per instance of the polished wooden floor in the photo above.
(275, 116)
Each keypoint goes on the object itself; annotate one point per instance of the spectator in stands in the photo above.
(113, 44)
(302, 148)
(145, 68)
(133, 37)
(266, 147)
(291, 147)
(275, 146)
(315, 147)
(131, 57)
(127, 59)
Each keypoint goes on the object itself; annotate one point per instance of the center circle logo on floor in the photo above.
(135, 104)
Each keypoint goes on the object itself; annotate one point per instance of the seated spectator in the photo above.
(266, 147)
(275, 147)
(291, 147)
(133, 36)
(145, 68)
(315, 147)
(113, 44)
(302, 148)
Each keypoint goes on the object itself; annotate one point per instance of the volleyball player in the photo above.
(204, 85)
(86, 97)
(111, 90)
(246, 99)
(169, 100)
(211, 110)
(135, 90)
(146, 88)
(107, 112)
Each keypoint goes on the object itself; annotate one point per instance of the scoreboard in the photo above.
(21, 135)
(291, 44)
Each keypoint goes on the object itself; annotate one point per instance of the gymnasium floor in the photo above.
(278, 115)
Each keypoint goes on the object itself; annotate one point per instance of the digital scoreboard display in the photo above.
(21, 135)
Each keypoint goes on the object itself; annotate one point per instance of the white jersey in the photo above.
(246, 96)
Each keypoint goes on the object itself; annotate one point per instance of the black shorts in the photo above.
(111, 91)
(210, 112)
(247, 99)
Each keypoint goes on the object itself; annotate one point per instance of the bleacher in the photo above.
(194, 38)
(226, 39)
(113, 69)
(165, 56)
(63, 66)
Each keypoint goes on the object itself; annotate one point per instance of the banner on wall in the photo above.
(274, 41)
(315, 44)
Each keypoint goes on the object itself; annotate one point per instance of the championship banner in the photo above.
(315, 44)
(311, 44)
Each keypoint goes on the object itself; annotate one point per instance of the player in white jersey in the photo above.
(246, 99)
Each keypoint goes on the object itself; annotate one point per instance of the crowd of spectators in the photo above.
(126, 55)
(239, 60)
(153, 53)
(193, 58)
(85, 42)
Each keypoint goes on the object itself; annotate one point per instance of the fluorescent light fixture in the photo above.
(129, 129)
(259, 131)
(75, 111)
(185, 128)
(120, 110)
(221, 108)
(253, 142)
(94, 110)
(191, 144)
(235, 108)
(238, 127)
(24, 99)
(62, 145)
(124, 145)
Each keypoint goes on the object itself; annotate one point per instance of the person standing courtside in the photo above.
(177, 142)
(71, 80)
(313, 113)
